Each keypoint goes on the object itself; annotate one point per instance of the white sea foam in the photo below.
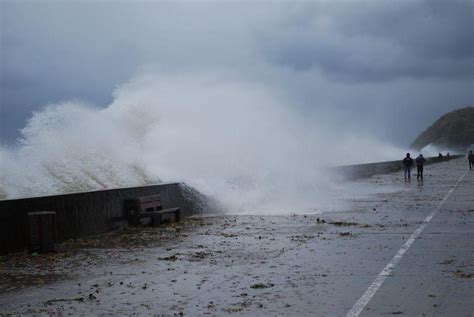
(239, 142)
(431, 150)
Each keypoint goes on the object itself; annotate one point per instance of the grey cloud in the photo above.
(383, 40)
(367, 63)
(433, 29)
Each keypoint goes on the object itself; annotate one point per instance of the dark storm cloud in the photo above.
(366, 62)
(376, 40)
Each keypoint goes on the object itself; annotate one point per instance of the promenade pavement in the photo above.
(292, 265)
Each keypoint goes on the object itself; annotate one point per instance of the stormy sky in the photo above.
(389, 68)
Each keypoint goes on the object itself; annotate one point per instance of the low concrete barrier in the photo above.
(367, 170)
(88, 213)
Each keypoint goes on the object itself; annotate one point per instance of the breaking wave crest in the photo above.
(239, 142)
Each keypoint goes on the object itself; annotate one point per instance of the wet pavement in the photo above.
(293, 265)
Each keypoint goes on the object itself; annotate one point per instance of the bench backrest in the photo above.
(150, 203)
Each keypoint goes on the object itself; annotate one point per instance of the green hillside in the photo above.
(454, 130)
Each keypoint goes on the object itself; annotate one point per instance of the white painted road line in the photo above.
(370, 292)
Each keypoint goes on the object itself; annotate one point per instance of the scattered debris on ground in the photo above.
(462, 274)
(260, 285)
(345, 234)
(169, 258)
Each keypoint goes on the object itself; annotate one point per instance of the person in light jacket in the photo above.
(420, 161)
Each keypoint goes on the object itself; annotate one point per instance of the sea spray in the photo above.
(238, 142)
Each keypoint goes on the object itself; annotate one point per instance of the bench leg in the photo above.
(177, 216)
(156, 220)
(136, 220)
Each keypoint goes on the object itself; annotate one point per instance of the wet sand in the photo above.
(293, 265)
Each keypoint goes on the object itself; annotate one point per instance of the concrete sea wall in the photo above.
(88, 213)
(367, 170)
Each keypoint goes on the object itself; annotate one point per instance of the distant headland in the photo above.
(454, 130)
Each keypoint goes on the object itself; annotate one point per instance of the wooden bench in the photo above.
(150, 207)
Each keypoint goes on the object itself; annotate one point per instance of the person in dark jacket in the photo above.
(408, 163)
(470, 157)
(420, 161)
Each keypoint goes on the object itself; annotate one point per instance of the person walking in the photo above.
(408, 163)
(470, 157)
(420, 161)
